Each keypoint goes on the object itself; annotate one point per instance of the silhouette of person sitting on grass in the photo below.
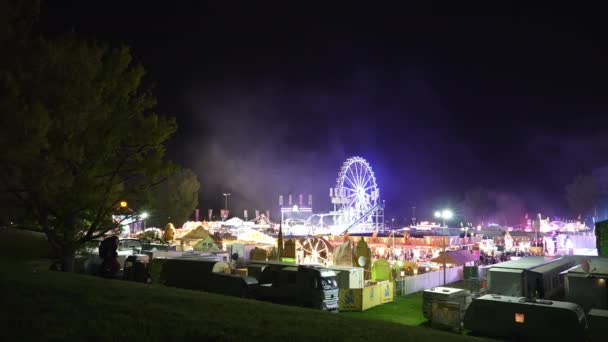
(108, 253)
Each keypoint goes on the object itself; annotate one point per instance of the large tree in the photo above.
(175, 199)
(78, 135)
(582, 194)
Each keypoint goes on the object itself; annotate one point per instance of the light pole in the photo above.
(446, 214)
(144, 216)
(226, 194)
(413, 215)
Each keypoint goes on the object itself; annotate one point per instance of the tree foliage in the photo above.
(582, 194)
(16, 20)
(78, 136)
(175, 199)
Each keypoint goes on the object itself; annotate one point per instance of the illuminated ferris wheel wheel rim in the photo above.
(357, 183)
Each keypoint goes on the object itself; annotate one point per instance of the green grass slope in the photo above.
(61, 306)
(404, 310)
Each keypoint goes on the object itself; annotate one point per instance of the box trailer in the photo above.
(521, 318)
(232, 285)
(539, 277)
(349, 277)
(587, 286)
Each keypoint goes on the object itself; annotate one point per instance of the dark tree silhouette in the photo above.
(78, 135)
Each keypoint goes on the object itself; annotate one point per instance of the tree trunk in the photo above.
(67, 263)
(64, 251)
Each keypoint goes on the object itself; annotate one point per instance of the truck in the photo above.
(310, 286)
(349, 277)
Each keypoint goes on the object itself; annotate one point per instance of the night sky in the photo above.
(272, 99)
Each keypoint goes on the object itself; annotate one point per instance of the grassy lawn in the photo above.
(41, 304)
(404, 310)
(63, 306)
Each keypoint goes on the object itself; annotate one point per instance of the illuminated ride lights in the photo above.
(355, 198)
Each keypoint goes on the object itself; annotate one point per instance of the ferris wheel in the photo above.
(313, 250)
(356, 187)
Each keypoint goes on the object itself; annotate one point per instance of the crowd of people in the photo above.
(494, 258)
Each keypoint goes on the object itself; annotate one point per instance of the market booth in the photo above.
(373, 294)
(456, 258)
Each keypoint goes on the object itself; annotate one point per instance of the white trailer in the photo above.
(349, 277)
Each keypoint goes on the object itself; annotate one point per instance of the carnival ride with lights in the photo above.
(312, 238)
(355, 199)
(357, 209)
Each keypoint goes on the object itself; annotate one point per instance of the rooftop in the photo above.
(597, 266)
(566, 263)
(445, 290)
(523, 301)
(525, 263)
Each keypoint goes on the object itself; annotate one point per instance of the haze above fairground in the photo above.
(271, 98)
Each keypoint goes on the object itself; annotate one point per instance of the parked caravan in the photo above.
(586, 286)
(538, 277)
(527, 319)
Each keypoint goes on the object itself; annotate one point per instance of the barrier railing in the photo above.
(421, 282)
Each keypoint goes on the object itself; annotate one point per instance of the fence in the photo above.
(427, 280)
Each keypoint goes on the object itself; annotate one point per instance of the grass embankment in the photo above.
(404, 310)
(58, 305)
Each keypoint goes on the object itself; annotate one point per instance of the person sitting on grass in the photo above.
(108, 253)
